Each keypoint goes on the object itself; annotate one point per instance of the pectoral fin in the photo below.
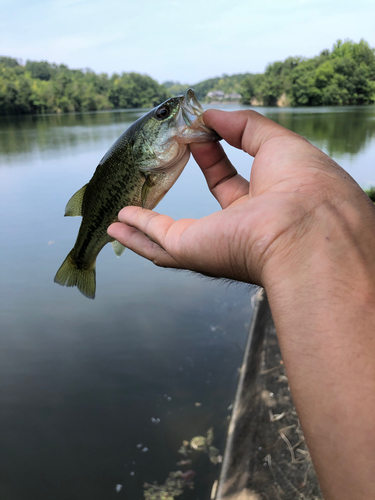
(146, 188)
(74, 205)
(118, 248)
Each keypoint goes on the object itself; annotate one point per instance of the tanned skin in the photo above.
(305, 231)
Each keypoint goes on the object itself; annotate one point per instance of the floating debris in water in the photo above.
(188, 476)
(184, 450)
(172, 488)
(182, 463)
(198, 404)
(139, 445)
(145, 449)
(201, 443)
(132, 473)
(198, 443)
(155, 421)
(214, 455)
(210, 436)
(178, 480)
(204, 444)
(118, 487)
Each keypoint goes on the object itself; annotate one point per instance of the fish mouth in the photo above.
(191, 112)
(190, 107)
(190, 121)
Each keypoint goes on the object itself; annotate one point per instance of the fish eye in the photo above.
(163, 112)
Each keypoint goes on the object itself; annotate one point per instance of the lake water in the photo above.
(81, 380)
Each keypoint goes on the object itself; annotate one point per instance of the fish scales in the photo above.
(139, 169)
(99, 212)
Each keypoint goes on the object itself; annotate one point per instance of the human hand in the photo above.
(262, 226)
(305, 231)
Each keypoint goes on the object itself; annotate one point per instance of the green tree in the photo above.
(42, 70)
(8, 62)
(345, 75)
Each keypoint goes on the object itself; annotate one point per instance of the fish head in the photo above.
(162, 141)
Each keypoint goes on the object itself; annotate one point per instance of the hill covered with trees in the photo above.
(344, 75)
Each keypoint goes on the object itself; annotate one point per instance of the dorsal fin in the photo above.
(74, 205)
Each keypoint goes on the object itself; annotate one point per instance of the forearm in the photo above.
(323, 303)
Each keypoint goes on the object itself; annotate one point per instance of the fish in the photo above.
(138, 169)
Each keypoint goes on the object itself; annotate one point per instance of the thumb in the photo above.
(244, 129)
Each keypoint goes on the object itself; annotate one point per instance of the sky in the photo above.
(182, 41)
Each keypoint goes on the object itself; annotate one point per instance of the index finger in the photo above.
(222, 178)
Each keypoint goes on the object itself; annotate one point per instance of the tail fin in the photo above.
(70, 275)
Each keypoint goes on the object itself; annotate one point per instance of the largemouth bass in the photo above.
(139, 169)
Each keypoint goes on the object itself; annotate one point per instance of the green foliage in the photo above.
(343, 76)
(228, 84)
(8, 62)
(202, 88)
(176, 88)
(41, 69)
(132, 90)
(371, 193)
(41, 87)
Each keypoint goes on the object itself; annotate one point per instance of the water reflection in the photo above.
(337, 130)
(58, 132)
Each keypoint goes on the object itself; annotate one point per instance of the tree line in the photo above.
(344, 75)
(41, 87)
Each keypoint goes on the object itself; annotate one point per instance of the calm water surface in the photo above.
(81, 380)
